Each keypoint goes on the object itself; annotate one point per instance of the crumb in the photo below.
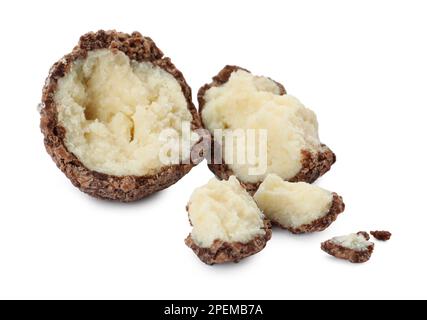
(353, 247)
(381, 235)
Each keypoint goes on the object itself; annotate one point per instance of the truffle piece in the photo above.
(227, 224)
(381, 235)
(297, 206)
(353, 247)
(236, 99)
(104, 109)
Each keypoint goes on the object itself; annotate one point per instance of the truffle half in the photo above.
(354, 247)
(227, 224)
(236, 99)
(297, 206)
(110, 110)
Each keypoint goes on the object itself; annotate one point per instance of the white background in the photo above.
(361, 65)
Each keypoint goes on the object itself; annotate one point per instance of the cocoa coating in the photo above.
(322, 223)
(381, 235)
(222, 251)
(341, 252)
(313, 165)
(100, 185)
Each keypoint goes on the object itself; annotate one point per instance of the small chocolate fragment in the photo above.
(353, 247)
(381, 235)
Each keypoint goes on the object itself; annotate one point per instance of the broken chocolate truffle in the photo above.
(236, 99)
(227, 224)
(298, 206)
(105, 106)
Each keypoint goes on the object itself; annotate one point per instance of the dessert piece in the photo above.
(297, 206)
(381, 235)
(353, 247)
(237, 100)
(227, 224)
(105, 107)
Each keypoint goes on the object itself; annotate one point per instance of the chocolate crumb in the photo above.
(381, 235)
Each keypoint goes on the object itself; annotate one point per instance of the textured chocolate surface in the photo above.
(381, 235)
(221, 251)
(122, 188)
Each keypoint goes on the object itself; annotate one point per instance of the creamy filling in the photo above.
(246, 101)
(292, 204)
(114, 110)
(223, 210)
(352, 241)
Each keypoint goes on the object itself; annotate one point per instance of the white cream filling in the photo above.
(352, 241)
(250, 102)
(114, 109)
(292, 204)
(223, 210)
